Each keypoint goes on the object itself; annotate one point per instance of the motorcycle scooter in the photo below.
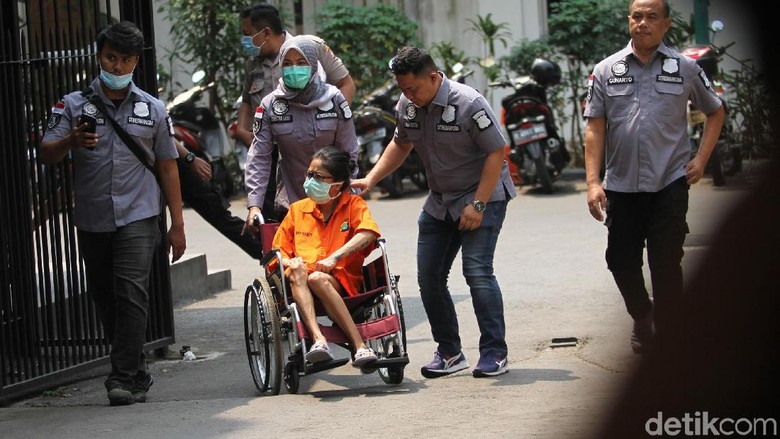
(199, 130)
(726, 158)
(537, 154)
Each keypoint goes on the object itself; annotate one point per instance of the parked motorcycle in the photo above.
(236, 159)
(726, 158)
(537, 154)
(375, 124)
(199, 130)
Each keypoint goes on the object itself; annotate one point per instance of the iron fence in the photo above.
(48, 326)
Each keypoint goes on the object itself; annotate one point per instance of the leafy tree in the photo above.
(206, 34)
(365, 38)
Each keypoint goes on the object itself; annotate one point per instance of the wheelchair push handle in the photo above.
(258, 220)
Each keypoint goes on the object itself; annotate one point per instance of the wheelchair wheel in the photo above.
(263, 337)
(390, 347)
(292, 378)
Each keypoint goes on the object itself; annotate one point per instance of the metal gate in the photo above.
(48, 327)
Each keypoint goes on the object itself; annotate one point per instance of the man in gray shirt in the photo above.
(636, 111)
(118, 199)
(456, 134)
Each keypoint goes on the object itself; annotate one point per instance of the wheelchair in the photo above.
(275, 333)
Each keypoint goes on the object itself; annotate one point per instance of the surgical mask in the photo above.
(249, 47)
(296, 76)
(115, 82)
(319, 191)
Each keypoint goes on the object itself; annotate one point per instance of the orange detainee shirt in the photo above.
(304, 234)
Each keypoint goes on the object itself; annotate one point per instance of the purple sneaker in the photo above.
(490, 365)
(444, 365)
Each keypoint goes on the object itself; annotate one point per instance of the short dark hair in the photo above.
(667, 9)
(124, 37)
(264, 15)
(337, 162)
(412, 60)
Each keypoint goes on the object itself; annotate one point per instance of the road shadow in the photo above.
(524, 377)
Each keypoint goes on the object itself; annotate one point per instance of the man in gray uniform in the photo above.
(636, 111)
(263, 37)
(456, 134)
(118, 199)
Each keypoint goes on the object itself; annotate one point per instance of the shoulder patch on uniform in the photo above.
(54, 120)
(169, 122)
(590, 88)
(482, 119)
(346, 110)
(58, 108)
(257, 125)
(705, 79)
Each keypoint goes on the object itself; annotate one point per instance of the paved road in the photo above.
(551, 268)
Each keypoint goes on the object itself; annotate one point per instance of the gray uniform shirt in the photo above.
(453, 137)
(299, 132)
(263, 74)
(647, 145)
(112, 187)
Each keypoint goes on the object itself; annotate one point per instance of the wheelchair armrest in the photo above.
(274, 253)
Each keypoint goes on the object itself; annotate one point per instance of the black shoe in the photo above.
(642, 334)
(141, 387)
(118, 394)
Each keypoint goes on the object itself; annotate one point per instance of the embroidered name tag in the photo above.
(448, 128)
(670, 79)
(140, 121)
(329, 115)
(623, 80)
(412, 125)
(281, 119)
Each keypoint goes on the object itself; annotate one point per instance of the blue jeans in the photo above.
(438, 243)
(118, 266)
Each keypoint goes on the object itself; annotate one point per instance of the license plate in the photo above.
(536, 131)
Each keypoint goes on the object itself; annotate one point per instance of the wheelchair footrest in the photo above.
(385, 362)
(310, 368)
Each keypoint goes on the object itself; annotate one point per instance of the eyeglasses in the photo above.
(318, 177)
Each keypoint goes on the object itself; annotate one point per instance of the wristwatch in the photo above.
(189, 158)
(479, 206)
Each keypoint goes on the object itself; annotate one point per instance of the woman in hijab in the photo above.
(303, 115)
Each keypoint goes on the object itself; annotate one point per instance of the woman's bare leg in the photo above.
(325, 287)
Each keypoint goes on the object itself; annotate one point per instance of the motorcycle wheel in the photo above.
(716, 167)
(543, 175)
(417, 171)
(730, 160)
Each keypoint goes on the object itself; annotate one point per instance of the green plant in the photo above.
(447, 55)
(748, 111)
(207, 35)
(490, 32)
(365, 38)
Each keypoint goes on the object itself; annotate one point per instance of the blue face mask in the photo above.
(249, 47)
(296, 76)
(319, 191)
(115, 82)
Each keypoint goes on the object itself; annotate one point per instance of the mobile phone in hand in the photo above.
(90, 121)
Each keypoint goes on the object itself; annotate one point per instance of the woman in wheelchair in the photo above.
(324, 239)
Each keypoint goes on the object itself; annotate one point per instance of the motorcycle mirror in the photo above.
(716, 26)
(198, 76)
(457, 67)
